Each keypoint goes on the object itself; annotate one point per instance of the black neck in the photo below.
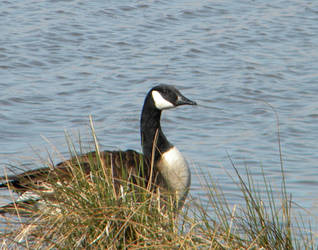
(150, 124)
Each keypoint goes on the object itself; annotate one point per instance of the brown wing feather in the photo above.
(123, 165)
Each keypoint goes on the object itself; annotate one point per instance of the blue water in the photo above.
(61, 61)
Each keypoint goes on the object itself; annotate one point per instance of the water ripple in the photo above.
(62, 63)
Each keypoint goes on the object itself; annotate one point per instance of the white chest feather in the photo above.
(174, 168)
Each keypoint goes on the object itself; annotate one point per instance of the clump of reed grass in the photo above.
(90, 214)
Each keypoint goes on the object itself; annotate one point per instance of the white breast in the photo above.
(174, 168)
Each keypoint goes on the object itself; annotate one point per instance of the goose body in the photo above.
(163, 164)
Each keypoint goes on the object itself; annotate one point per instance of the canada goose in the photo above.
(170, 170)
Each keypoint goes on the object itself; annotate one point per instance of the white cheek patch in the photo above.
(160, 102)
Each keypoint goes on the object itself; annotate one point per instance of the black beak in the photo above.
(182, 100)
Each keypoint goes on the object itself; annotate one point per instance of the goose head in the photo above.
(167, 96)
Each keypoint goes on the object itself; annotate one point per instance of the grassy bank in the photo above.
(90, 214)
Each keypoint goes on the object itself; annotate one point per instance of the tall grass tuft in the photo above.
(90, 214)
